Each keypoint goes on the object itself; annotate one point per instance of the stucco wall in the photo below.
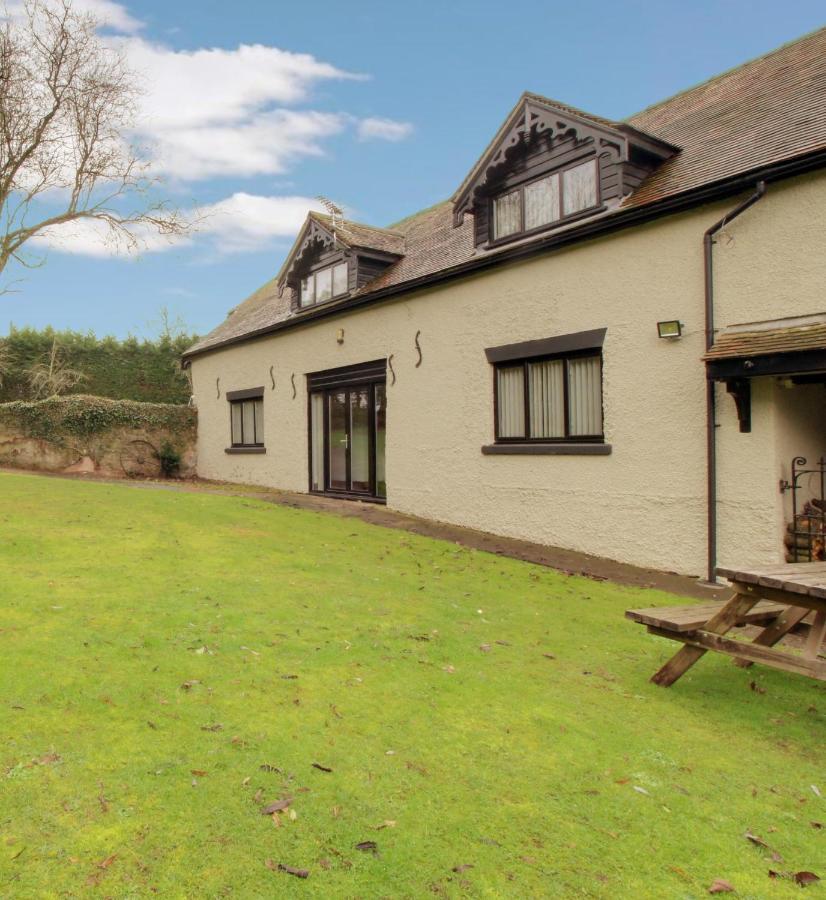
(645, 503)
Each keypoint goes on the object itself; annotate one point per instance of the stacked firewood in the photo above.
(805, 538)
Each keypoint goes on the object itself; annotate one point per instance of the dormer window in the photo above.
(549, 165)
(324, 284)
(544, 201)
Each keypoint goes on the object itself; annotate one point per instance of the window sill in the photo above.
(529, 449)
(245, 450)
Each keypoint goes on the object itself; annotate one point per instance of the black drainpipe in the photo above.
(711, 424)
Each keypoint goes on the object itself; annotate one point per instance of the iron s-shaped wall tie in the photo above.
(392, 370)
(217, 388)
(272, 379)
(292, 379)
(418, 348)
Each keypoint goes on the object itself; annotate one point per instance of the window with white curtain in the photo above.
(552, 399)
(546, 200)
(325, 284)
(247, 422)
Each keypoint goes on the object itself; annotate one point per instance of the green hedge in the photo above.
(146, 371)
(80, 416)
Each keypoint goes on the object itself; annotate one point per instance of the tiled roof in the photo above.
(763, 338)
(768, 110)
(355, 234)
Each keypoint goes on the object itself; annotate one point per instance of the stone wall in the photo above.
(82, 434)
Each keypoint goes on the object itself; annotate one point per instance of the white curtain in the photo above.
(340, 279)
(307, 291)
(235, 413)
(580, 187)
(546, 398)
(510, 397)
(248, 413)
(542, 202)
(323, 285)
(506, 216)
(317, 440)
(585, 396)
(259, 421)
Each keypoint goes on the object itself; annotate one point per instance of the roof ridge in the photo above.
(345, 221)
(725, 73)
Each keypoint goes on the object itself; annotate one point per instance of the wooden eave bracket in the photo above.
(740, 390)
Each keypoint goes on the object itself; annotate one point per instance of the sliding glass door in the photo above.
(347, 440)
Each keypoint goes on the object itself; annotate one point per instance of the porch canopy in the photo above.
(792, 348)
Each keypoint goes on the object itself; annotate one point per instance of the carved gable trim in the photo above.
(313, 240)
(528, 121)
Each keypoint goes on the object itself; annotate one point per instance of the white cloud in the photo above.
(263, 145)
(383, 129)
(245, 222)
(214, 112)
(240, 223)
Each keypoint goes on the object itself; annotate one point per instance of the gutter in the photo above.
(711, 401)
(623, 219)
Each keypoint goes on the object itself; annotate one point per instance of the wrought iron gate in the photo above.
(806, 533)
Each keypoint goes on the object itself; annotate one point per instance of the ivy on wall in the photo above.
(146, 371)
(64, 420)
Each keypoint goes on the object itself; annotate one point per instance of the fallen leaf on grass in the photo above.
(549, 656)
(815, 790)
(289, 677)
(321, 768)
(368, 846)
(721, 886)
(799, 878)
(198, 773)
(817, 825)
(757, 841)
(641, 790)
(756, 688)
(105, 863)
(188, 685)
(216, 727)
(485, 648)
(266, 767)
(325, 863)
(275, 807)
(290, 870)
(387, 823)
(464, 867)
(449, 669)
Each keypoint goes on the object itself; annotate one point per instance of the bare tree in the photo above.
(53, 377)
(67, 102)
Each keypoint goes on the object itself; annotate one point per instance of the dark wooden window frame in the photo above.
(238, 398)
(343, 260)
(556, 223)
(331, 381)
(524, 363)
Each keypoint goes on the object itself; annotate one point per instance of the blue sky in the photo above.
(256, 108)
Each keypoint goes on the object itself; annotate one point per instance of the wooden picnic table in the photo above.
(776, 597)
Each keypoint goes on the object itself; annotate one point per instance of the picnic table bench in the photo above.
(776, 597)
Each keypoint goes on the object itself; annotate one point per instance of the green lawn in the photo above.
(172, 662)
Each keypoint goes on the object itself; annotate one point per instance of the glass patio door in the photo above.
(347, 425)
(350, 440)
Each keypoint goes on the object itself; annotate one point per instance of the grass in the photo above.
(169, 657)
